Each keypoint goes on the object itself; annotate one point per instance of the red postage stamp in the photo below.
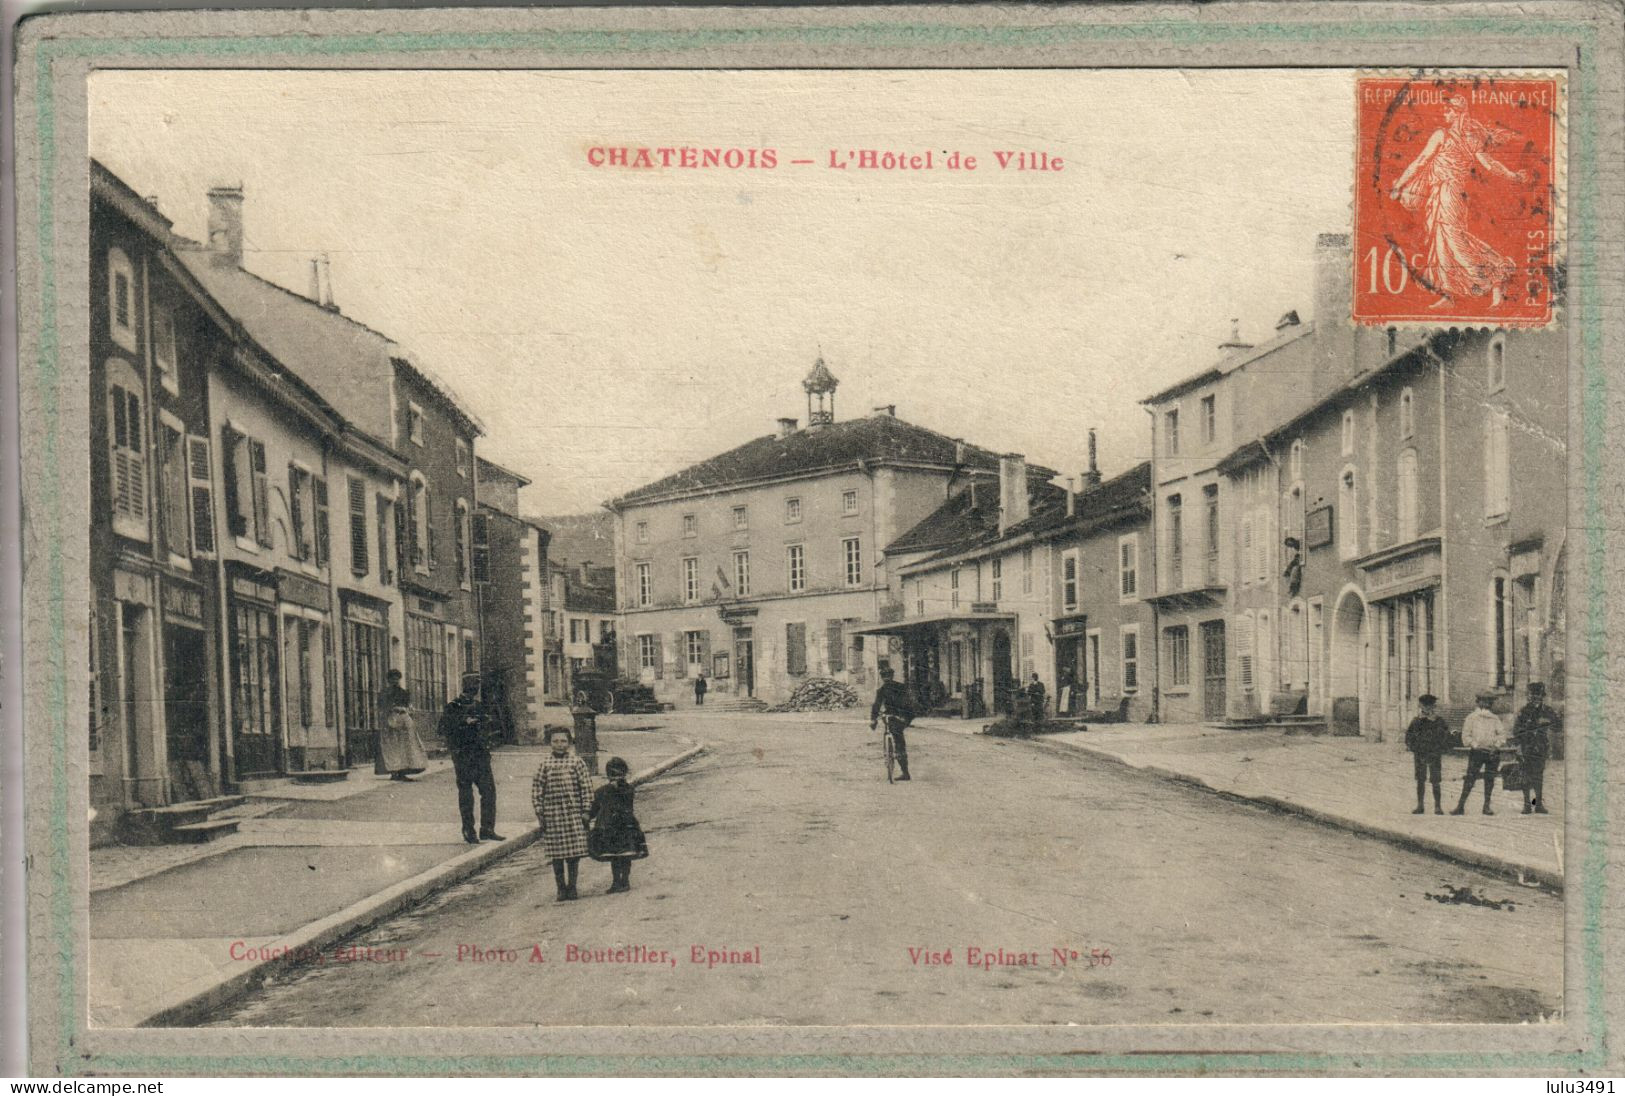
(1457, 199)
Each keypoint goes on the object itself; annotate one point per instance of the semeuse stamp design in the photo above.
(1457, 195)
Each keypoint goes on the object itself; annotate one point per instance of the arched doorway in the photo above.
(1349, 663)
(1003, 671)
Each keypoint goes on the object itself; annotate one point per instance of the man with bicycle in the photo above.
(892, 703)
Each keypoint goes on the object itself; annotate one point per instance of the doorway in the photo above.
(1213, 670)
(1003, 672)
(745, 660)
(186, 714)
(1349, 665)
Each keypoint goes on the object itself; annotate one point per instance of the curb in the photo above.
(318, 934)
(1510, 869)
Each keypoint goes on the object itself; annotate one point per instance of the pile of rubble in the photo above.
(818, 694)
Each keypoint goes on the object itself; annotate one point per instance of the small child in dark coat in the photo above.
(616, 835)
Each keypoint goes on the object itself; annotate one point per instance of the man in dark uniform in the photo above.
(892, 699)
(1037, 702)
(462, 727)
(1428, 737)
(1532, 734)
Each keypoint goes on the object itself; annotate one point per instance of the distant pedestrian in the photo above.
(561, 795)
(1483, 735)
(400, 751)
(463, 727)
(1532, 734)
(616, 837)
(1037, 698)
(1428, 737)
(699, 688)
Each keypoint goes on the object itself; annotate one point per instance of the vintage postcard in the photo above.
(821, 541)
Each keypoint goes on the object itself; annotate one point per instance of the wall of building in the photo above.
(1524, 545)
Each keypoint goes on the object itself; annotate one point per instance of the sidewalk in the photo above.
(1367, 787)
(174, 930)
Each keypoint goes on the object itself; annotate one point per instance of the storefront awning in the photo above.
(908, 624)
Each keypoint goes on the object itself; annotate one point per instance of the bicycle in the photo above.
(888, 745)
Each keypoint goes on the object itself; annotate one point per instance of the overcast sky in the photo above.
(612, 326)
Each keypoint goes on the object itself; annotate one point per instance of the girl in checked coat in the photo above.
(561, 796)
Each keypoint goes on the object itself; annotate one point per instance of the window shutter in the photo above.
(431, 549)
(129, 467)
(795, 648)
(679, 643)
(482, 547)
(358, 526)
(660, 657)
(296, 507)
(835, 634)
(705, 649)
(403, 531)
(318, 488)
(201, 493)
(262, 492)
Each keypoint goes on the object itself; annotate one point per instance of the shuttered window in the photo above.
(126, 454)
(173, 482)
(299, 506)
(358, 525)
(835, 645)
(323, 530)
(200, 485)
(261, 491)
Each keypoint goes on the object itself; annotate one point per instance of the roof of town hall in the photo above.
(968, 523)
(879, 439)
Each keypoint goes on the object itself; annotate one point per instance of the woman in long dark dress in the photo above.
(616, 836)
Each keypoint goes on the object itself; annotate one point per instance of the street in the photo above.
(1007, 884)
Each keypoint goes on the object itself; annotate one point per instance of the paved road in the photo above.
(784, 841)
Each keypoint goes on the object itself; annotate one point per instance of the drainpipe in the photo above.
(1156, 585)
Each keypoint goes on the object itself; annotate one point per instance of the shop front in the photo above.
(1077, 664)
(954, 663)
(366, 664)
(309, 680)
(191, 756)
(256, 707)
(1402, 593)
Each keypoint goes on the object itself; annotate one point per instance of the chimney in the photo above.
(315, 293)
(1334, 305)
(1091, 478)
(226, 224)
(1012, 491)
(152, 200)
(887, 409)
(327, 285)
(787, 427)
(1071, 500)
(1234, 345)
(959, 451)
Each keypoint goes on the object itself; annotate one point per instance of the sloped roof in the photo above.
(1233, 361)
(349, 363)
(878, 439)
(580, 538)
(978, 527)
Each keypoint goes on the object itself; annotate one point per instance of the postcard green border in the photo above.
(71, 1060)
